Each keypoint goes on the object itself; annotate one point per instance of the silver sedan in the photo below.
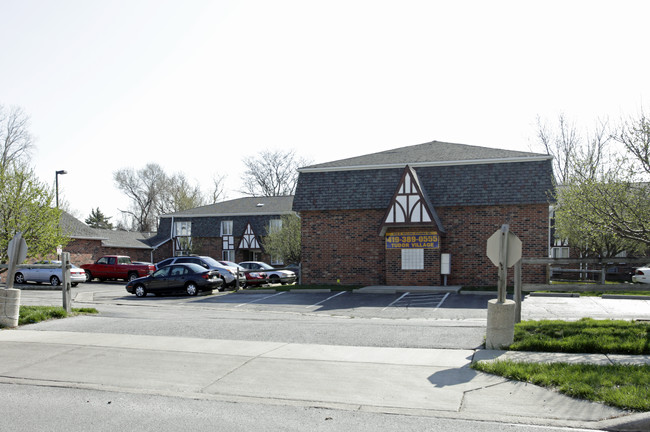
(48, 275)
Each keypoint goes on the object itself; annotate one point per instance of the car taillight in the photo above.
(205, 275)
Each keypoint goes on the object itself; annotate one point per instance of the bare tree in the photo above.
(574, 154)
(218, 189)
(152, 193)
(142, 187)
(16, 142)
(272, 173)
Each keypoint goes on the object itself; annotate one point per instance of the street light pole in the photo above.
(56, 178)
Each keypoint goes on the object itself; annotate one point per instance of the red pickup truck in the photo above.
(116, 267)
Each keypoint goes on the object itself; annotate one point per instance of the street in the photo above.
(448, 322)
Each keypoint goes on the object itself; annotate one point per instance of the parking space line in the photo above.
(442, 301)
(403, 295)
(328, 298)
(263, 298)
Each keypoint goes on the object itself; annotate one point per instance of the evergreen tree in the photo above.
(97, 219)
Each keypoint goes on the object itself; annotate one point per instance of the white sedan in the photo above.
(642, 274)
(275, 276)
(48, 275)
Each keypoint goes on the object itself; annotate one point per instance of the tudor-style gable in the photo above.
(410, 205)
(249, 239)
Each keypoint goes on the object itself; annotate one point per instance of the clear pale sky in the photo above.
(196, 85)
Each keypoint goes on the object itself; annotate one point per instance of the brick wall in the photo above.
(345, 246)
(207, 246)
(342, 246)
(88, 251)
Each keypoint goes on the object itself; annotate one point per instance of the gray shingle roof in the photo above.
(78, 230)
(449, 177)
(431, 153)
(247, 206)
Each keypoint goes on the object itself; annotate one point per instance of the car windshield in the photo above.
(212, 262)
(232, 264)
(265, 266)
(195, 268)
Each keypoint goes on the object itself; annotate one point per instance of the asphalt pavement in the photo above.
(410, 381)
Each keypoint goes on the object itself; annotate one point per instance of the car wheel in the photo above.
(89, 276)
(140, 291)
(192, 289)
(274, 279)
(54, 281)
(132, 276)
(19, 278)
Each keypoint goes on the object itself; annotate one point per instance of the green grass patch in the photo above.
(622, 386)
(584, 336)
(35, 314)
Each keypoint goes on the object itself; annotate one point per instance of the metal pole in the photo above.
(503, 263)
(518, 291)
(65, 280)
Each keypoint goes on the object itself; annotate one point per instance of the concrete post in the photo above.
(500, 324)
(9, 307)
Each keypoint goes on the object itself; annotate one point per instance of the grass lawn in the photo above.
(34, 314)
(584, 336)
(622, 386)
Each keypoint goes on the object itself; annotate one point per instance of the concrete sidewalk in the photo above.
(424, 382)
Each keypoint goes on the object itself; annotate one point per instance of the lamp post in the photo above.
(56, 178)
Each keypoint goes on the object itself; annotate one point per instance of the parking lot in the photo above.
(342, 303)
(407, 305)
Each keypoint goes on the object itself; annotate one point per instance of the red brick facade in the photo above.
(344, 246)
(88, 251)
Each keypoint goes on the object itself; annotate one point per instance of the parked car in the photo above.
(227, 274)
(116, 267)
(275, 276)
(252, 278)
(642, 274)
(188, 278)
(49, 275)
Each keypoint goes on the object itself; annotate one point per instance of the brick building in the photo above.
(229, 230)
(88, 244)
(389, 218)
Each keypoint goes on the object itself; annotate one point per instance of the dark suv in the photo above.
(228, 274)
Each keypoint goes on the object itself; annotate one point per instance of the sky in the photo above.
(197, 85)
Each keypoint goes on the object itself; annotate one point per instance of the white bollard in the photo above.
(9, 307)
(500, 324)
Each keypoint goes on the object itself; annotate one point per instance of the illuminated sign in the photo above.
(413, 240)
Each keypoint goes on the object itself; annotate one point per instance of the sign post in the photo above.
(504, 250)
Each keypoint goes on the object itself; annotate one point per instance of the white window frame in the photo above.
(183, 229)
(275, 225)
(228, 255)
(560, 252)
(412, 259)
(226, 228)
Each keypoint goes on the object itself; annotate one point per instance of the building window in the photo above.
(275, 225)
(277, 260)
(228, 255)
(412, 259)
(226, 228)
(560, 252)
(182, 238)
(183, 229)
